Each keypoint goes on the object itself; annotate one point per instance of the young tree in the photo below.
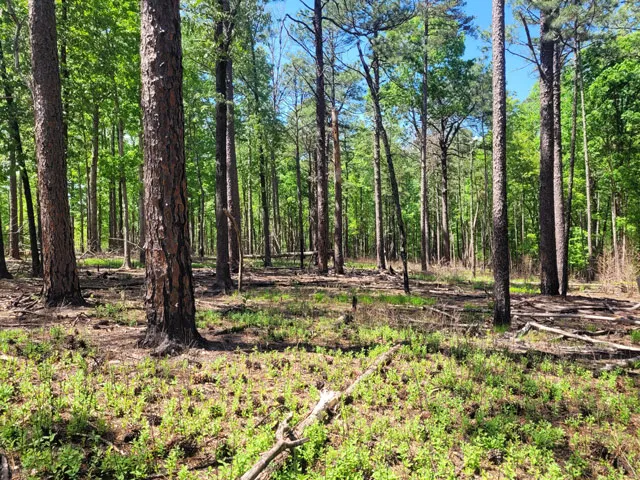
(169, 300)
(61, 282)
(502, 303)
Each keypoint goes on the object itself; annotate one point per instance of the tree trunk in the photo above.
(14, 229)
(94, 242)
(4, 272)
(16, 147)
(502, 302)
(424, 187)
(223, 271)
(298, 172)
(233, 191)
(125, 199)
(558, 184)
(444, 204)
(337, 232)
(587, 172)
(549, 284)
(61, 282)
(169, 300)
(572, 162)
(377, 174)
(323, 173)
(141, 217)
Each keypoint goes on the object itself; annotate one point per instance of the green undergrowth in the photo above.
(447, 406)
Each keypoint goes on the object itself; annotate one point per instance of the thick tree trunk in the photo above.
(169, 301)
(377, 173)
(61, 282)
(549, 284)
(94, 242)
(16, 147)
(233, 191)
(338, 254)
(321, 151)
(502, 303)
(558, 183)
(223, 270)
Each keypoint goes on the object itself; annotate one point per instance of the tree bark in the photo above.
(141, 216)
(377, 174)
(549, 284)
(169, 300)
(424, 187)
(321, 151)
(94, 242)
(126, 249)
(587, 171)
(296, 114)
(338, 254)
(16, 147)
(14, 229)
(502, 303)
(223, 271)
(233, 191)
(4, 271)
(558, 183)
(61, 282)
(444, 203)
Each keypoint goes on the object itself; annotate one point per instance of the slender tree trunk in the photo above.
(169, 301)
(94, 242)
(502, 303)
(444, 204)
(141, 216)
(587, 171)
(558, 183)
(223, 271)
(296, 114)
(233, 191)
(377, 173)
(125, 200)
(14, 229)
(572, 162)
(4, 271)
(337, 228)
(424, 187)
(323, 174)
(61, 282)
(549, 284)
(16, 147)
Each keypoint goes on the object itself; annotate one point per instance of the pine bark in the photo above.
(61, 282)
(424, 186)
(14, 229)
(445, 254)
(338, 255)
(169, 300)
(233, 191)
(377, 174)
(223, 271)
(502, 303)
(549, 284)
(94, 242)
(321, 150)
(126, 248)
(558, 183)
(296, 114)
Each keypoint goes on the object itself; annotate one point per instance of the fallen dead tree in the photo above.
(286, 440)
(564, 333)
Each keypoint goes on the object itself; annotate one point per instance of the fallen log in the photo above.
(275, 457)
(557, 331)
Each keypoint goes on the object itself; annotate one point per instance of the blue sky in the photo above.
(520, 74)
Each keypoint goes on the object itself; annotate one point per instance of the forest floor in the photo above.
(78, 399)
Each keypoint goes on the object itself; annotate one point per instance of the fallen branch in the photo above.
(563, 315)
(328, 401)
(557, 331)
(283, 443)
